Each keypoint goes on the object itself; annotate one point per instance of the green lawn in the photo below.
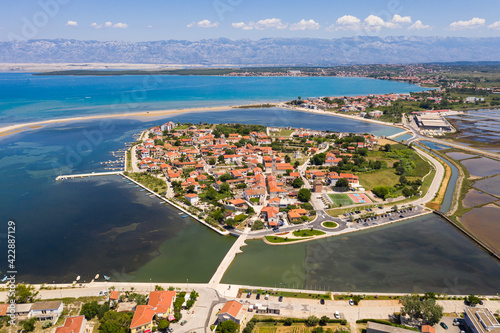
(276, 239)
(341, 199)
(377, 178)
(307, 233)
(330, 224)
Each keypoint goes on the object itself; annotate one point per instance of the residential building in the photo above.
(160, 304)
(381, 328)
(73, 325)
(481, 320)
(232, 310)
(49, 310)
(193, 198)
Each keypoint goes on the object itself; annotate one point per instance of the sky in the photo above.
(147, 20)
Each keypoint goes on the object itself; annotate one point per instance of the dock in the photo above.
(93, 174)
(228, 259)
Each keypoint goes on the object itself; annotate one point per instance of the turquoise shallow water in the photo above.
(24, 97)
(106, 226)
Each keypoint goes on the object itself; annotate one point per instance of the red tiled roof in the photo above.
(71, 325)
(232, 308)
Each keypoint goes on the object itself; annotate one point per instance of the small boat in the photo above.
(185, 215)
(4, 278)
(106, 277)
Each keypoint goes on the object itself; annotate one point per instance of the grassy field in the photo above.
(378, 177)
(276, 239)
(307, 233)
(295, 328)
(341, 200)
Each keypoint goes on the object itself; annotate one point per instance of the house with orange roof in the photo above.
(250, 193)
(193, 198)
(295, 215)
(160, 304)
(270, 214)
(3, 309)
(114, 296)
(72, 325)
(232, 310)
(352, 179)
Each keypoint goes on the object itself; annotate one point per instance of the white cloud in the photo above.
(72, 23)
(370, 23)
(418, 25)
(473, 23)
(261, 24)
(149, 27)
(347, 22)
(120, 25)
(203, 24)
(305, 25)
(108, 24)
(494, 26)
(398, 19)
(374, 23)
(242, 25)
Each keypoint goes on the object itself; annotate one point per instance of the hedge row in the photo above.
(295, 320)
(385, 322)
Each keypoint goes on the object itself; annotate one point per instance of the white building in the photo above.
(50, 310)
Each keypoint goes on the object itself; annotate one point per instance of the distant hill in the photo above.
(268, 51)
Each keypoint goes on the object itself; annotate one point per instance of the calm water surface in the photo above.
(423, 254)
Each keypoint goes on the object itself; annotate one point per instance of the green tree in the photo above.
(288, 322)
(228, 326)
(24, 294)
(296, 164)
(342, 183)
(403, 180)
(323, 321)
(159, 288)
(312, 321)
(383, 191)
(163, 324)
(250, 211)
(224, 187)
(318, 329)
(211, 194)
(115, 322)
(212, 161)
(257, 225)
(220, 158)
(29, 325)
(287, 159)
(473, 300)
(89, 310)
(297, 182)
(304, 195)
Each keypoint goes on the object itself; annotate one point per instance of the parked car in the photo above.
(337, 315)
(183, 322)
(443, 325)
(280, 299)
(322, 301)
(351, 302)
(258, 296)
(249, 294)
(170, 329)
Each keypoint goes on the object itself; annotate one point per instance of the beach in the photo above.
(17, 128)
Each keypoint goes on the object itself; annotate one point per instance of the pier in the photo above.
(93, 174)
(228, 259)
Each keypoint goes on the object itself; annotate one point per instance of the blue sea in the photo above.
(24, 97)
(105, 225)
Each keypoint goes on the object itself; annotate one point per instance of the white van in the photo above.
(337, 315)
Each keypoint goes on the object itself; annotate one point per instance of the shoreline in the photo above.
(17, 128)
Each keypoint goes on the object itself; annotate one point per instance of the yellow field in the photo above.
(438, 200)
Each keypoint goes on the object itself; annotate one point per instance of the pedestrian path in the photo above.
(228, 259)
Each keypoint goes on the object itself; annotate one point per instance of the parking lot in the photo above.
(376, 216)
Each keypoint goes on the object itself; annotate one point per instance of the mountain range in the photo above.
(267, 51)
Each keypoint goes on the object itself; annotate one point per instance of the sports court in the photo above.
(359, 198)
